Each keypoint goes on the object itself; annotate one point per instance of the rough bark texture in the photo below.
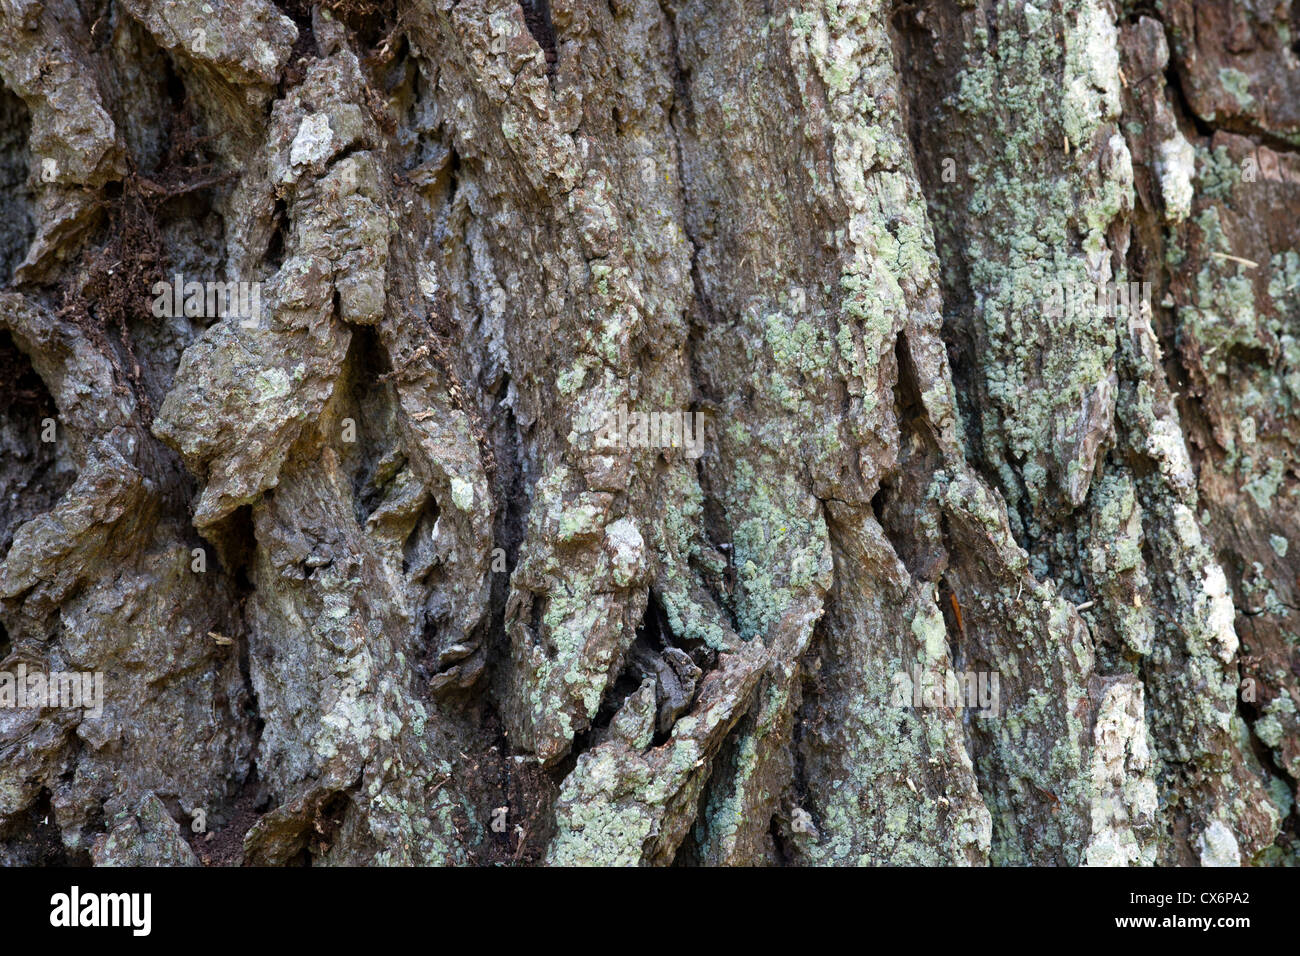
(369, 579)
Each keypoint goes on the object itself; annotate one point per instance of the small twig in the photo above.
(1245, 262)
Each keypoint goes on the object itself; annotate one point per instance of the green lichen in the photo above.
(1037, 193)
(1237, 85)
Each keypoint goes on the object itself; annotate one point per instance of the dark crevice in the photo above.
(895, 501)
(362, 442)
(223, 843)
(683, 110)
(702, 316)
(509, 524)
(779, 846)
(657, 649)
(235, 540)
(174, 85)
(274, 254)
(623, 687)
(878, 503)
(33, 838)
(537, 17)
(327, 823)
(656, 654)
(35, 463)
(536, 614)
(496, 778)
(1182, 107)
(453, 176)
(1139, 10)
(930, 81)
(17, 226)
(421, 533)
(109, 295)
(304, 47)
(654, 627)
(372, 22)
(809, 719)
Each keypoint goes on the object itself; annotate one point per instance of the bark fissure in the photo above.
(662, 452)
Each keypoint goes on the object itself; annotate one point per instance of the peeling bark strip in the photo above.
(860, 433)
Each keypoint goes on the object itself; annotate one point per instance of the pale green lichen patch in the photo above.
(1237, 85)
(1049, 175)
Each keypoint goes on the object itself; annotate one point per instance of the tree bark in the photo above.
(395, 566)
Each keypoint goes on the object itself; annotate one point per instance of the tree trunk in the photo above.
(927, 554)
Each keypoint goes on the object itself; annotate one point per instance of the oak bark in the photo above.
(394, 571)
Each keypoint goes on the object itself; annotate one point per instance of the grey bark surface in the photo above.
(369, 582)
